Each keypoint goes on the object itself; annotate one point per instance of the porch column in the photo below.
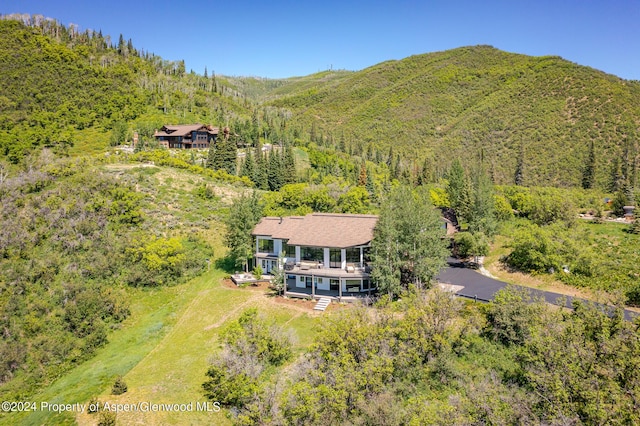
(326, 259)
(313, 287)
(297, 254)
(343, 258)
(340, 289)
(361, 258)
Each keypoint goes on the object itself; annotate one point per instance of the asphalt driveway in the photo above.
(480, 287)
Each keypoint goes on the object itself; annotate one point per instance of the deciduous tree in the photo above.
(245, 212)
(407, 247)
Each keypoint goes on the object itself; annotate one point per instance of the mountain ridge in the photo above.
(469, 99)
(476, 103)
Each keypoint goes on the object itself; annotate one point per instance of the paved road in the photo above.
(483, 288)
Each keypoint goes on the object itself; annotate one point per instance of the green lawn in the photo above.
(162, 352)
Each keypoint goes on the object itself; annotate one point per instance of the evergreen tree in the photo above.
(589, 172)
(390, 157)
(395, 170)
(245, 212)
(458, 190)
(370, 186)
(289, 166)
(121, 45)
(224, 156)
(423, 177)
(260, 174)
(274, 171)
(616, 178)
(248, 166)
(211, 156)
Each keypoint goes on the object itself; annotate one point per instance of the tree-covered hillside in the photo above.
(520, 115)
(510, 110)
(60, 87)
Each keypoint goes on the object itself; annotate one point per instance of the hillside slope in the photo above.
(60, 88)
(481, 102)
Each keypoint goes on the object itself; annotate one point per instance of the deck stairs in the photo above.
(322, 304)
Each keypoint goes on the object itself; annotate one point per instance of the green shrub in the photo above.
(107, 418)
(119, 386)
(257, 272)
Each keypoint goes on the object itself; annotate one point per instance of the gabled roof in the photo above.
(185, 129)
(319, 229)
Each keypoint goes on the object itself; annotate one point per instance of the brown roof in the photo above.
(185, 129)
(320, 229)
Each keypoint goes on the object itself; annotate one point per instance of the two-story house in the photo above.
(324, 253)
(186, 136)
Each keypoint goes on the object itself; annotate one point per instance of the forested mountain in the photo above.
(62, 88)
(518, 114)
(513, 111)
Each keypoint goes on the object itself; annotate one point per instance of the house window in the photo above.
(353, 255)
(312, 253)
(289, 251)
(265, 246)
(335, 258)
(334, 284)
(353, 286)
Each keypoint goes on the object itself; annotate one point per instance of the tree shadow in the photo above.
(227, 264)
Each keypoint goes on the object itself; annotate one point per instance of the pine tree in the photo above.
(260, 174)
(589, 172)
(458, 189)
(289, 166)
(616, 178)
(121, 45)
(248, 166)
(370, 186)
(274, 172)
(395, 171)
(424, 174)
(211, 156)
(223, 156)
(245, 213)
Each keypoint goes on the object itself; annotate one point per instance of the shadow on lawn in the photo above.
(227, 264)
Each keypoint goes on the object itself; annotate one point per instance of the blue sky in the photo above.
(285, 38)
